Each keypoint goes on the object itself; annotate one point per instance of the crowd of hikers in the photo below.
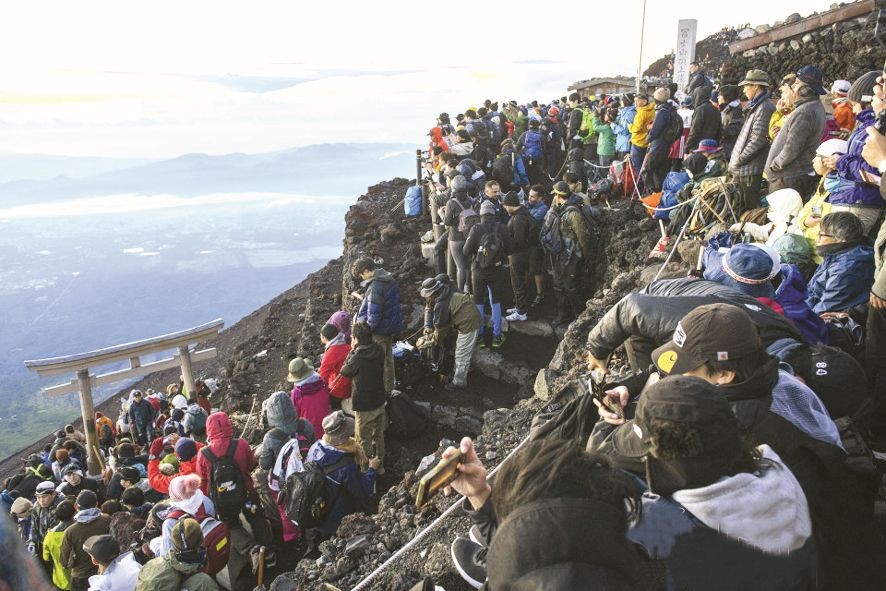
(735, 444)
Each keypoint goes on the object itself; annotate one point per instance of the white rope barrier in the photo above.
(423, 533)
(679, 205)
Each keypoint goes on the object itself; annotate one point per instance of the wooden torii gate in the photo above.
(81, 363)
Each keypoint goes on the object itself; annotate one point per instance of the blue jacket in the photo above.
(501, 214)
(655, 137)
(791, 295)
(620, 127)
(842, 281)
(672, 185)
(520, 176)
(537, 210)
(851, 164)
(380, 308)
(349, 488)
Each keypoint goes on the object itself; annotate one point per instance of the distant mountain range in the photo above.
(323, 169)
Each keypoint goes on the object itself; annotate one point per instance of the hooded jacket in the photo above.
(563, 543)
(791, 295)
(380, 307)
(732, 119)
(745, 531)
(794, 146)
(350, 489)
(141, 414)
(784, 207)
(219, 432)
(752, 145)
(365, 366)
(706, 121)
(160, 481)
(843, 280)
(310, 397)
(523, 230)
(639, 132)
(854, 191)
(51, 553)
(169, 574)
(285, 425)
(88, 522)
(651, 316)
(621, 127)
(655, 137)
(330, 367)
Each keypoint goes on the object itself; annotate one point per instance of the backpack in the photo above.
(586, 131)
(198, 421)
(503, 169)
(107, 434)
(288, 460)
(227, 487)
(412, 201)
(216, 539)
(306, 496)
(674, 127)
(467, 219)
(532, 145)
(406, 419)
(491, 249)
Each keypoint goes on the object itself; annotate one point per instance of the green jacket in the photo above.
(463, 313)
(52, 548)
(573, 227)
(606, 141)
(168, 574)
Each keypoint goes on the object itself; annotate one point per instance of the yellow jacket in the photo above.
(811, 232)
(52, 548)
(638, 128)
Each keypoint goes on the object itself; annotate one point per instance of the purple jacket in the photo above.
(311, 400)
(850, 165)
(791, 295)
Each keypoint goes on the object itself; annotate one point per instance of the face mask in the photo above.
(831, 183)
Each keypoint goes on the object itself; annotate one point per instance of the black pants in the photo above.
(80, 584)
(748, 196)
(441, 251)
(591, 152)
(519, 266)
(534, 169)
(804, 184)
(875, 353)
(655, 169)
(488, 282)
(567, 286)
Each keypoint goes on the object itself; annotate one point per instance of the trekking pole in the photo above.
(261, 570)
(418, 176)
(676, 242)
(251, 410)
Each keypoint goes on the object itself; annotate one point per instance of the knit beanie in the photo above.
(183, 487)
(862, 90)
(21, 508)
(487, 208)
(185, 449)
(661, 94)
(511, 199)
(729, 92)
(187, 535)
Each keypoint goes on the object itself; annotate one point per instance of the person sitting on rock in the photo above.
(446, 311)
(310, 395)
(352, 488)
(846, 274)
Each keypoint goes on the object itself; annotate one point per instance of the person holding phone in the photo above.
(818, 206)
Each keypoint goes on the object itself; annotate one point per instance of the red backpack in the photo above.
(216, 539)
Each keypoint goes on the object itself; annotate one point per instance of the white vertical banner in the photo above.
(684, 52)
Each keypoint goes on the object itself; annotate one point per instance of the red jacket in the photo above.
(219, 432)
(160, 481)
(330, 368)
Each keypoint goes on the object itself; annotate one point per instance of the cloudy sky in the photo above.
(158, 79)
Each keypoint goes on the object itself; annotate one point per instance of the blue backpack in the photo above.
(412, 202)
(532, 145)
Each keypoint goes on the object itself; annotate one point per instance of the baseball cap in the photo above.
(72, 468)
(129, 474)
(103, 548)
(716, 332)
(87, 499)
(697, 404)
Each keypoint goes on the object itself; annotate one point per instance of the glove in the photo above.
(156, 449)
(429, 331)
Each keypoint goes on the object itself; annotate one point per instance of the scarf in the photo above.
(837, 247)
(308, 380)
(338, 340)
(88, 515)
(190, 505)
(763, 96)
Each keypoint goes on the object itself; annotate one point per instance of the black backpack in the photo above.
(406, 419)
(503, 169)
(674, 127)
(307, 497)
(491, 248)
(227, 488)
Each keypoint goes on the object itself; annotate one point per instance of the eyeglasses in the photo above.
(823, 235)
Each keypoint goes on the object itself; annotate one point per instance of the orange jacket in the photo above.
(160, 482)
(844, 115)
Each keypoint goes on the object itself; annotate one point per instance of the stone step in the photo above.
(495, 366)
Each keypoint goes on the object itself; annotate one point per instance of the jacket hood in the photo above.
(590, 546)
(218, 427)
(281, 413)
(700, 96)
(185, 568)
(380, 275)
(792, 287)
(759, 385)
(339, 339)
(310, 385)
(649, 107)
(88, 515)
(766, 509)
(783, 204)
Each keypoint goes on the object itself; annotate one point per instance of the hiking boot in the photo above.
(469, 560)
(481, 342)
(498, 341)
(515, 316)
(538, 301)
(476, 535)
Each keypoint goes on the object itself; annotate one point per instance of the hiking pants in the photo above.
(144, 433)
(748, 192)
(385, 341)
(258, 521)
(440, 248)
(369, 431)
(656, 168)
(464, 351)
(534, 169)
(519, 267)
(567, 286)
(463, 275)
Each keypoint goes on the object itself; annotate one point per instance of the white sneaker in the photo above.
(512, 310)
(516, 317)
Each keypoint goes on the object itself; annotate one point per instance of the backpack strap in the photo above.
(343, 461)
(279, 434)
(209, 455)
(232, 448)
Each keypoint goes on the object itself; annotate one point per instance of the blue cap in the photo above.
(812, 76)
(708, 147)
(748, 268)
